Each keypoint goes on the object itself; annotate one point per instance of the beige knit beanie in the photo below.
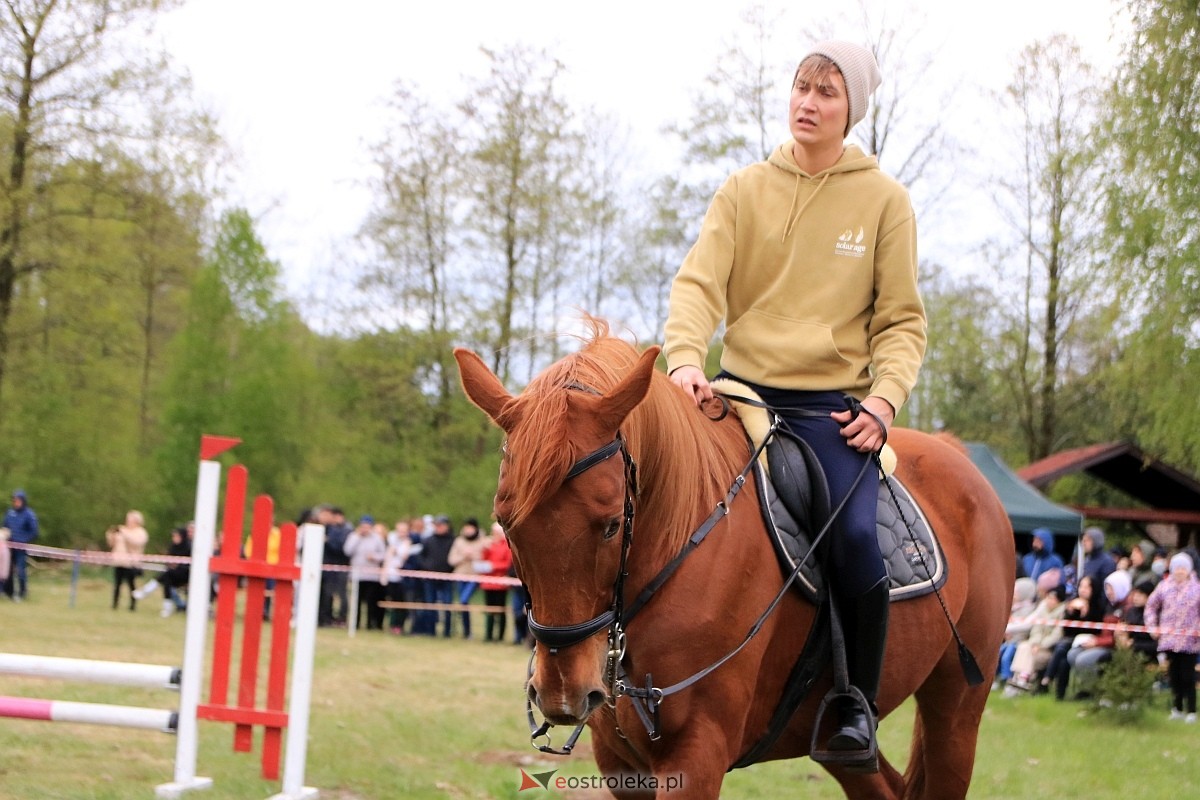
(859, 71)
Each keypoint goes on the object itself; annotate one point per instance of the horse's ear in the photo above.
(481, 385)
(625, 396)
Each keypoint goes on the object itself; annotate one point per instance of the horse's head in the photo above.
(565, 496)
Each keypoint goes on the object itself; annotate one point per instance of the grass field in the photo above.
(417, 718)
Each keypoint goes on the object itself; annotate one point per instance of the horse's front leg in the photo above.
(686, 764)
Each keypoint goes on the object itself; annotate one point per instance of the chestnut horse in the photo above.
(568, 495)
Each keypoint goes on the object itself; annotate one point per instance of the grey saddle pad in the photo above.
(797, 511)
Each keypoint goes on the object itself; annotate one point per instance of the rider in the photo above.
(810, 258)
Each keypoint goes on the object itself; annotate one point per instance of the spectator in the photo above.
(1159, 565)
(399, 546)
(333, 581)
(366, 548)
(435, 554)
(1141, 559)
(1088, 653)
(1175, 606)
(1041, 556)
(175, 576)
(128, 543)
(464, 555)
(1141, 641)
(22, 525)
(1097, 563)
(1033, 654)
(1019, 624)
(520, 609)
(498, 557)
(5, 560)
(1086, 607)
(274, 535)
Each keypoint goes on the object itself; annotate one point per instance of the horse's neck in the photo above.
(679, 485)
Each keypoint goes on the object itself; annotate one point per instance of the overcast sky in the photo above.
(297, 84)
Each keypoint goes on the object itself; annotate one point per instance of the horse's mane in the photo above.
(686, 462)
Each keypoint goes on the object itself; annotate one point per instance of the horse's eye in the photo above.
(613, 527)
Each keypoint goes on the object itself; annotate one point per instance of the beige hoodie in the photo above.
(814, 275)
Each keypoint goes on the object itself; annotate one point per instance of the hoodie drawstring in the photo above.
(791, 220)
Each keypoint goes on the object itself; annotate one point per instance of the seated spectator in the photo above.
(175, 577)
(1087, 606)
(1033, 654)
(1141, 641)
(1088, 653)
(1024, 591)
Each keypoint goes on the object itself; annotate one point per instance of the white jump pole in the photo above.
(151, 676)
(296, 745)
(207, 490)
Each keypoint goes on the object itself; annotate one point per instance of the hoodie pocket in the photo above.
(783, 351)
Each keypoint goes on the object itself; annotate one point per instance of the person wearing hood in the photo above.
(22, 525)
(1090, 651)
(1141, 561)
(810, 260)
(1098, 563)
(1041, 556)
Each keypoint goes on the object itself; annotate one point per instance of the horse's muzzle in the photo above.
(567, 707)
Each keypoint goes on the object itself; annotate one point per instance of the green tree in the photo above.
(1153, 214)
(59, 83)
(238, 369)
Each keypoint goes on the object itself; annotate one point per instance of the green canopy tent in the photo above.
(1027, 507)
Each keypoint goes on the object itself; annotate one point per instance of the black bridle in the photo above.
(558, 637)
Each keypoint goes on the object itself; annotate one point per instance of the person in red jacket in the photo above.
(498, 556)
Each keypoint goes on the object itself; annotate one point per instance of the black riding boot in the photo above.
(865, 620)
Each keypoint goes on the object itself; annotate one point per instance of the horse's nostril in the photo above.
(595, 699)
(531, 692)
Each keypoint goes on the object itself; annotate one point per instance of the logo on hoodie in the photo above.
(850, 244)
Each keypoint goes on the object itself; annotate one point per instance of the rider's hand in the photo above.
(692, 381)
(863, 432)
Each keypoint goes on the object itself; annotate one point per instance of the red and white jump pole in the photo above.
(90, 713)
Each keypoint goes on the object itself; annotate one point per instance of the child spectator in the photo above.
(1175, 606)
(1018, 627)
(1033, 654)
(1141, 641)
